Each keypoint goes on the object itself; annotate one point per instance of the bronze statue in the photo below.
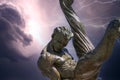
(55, 61)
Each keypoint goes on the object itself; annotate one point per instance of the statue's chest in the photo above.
(64, 55)
(67, 68)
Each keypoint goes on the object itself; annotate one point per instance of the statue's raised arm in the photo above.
(81, 42)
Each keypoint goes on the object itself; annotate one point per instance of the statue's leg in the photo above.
(81, 42)
(87, 69)
(91, 63)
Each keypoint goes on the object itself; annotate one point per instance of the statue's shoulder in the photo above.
(44, 54)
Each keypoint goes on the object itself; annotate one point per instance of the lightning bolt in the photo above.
(106, 2)
(87, 3)
(84, 4)
(95, 21)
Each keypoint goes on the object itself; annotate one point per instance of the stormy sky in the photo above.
(26, 27)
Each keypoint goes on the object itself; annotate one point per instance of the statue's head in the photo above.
(60, 38)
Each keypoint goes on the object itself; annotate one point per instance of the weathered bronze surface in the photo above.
(55, 61)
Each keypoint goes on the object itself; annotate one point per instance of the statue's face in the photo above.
(59, 42)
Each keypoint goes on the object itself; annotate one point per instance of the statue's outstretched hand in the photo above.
(66, 2)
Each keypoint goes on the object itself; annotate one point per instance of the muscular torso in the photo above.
(67, 66)
(66, 69)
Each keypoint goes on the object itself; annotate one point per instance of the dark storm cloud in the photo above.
(13, 65)
(11, 25)
(24, 70)
(11, 14)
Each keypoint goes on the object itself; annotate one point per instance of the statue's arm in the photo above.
(81, 42)
(46, 65)
(71, 16)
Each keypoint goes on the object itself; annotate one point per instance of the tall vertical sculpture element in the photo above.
(55, 61)
(81, 42)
